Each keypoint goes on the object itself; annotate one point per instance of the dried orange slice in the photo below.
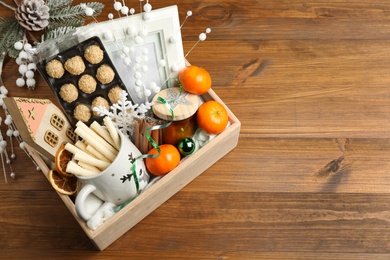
(61, 160)
(64, 185)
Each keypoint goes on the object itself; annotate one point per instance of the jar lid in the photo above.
(183, 104)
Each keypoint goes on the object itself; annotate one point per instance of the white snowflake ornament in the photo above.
(124, 112)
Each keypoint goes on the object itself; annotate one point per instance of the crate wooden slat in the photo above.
(190, 168)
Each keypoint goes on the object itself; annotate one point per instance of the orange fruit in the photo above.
(61, 161)
(212, 117)
(168, 159)
(195, 80)
(64, 185)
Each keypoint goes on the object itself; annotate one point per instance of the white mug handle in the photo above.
(80, 201)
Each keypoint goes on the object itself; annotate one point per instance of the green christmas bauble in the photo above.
(186, 146)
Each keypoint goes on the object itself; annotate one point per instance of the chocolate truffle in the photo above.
(93, 54)
(82, 113)
(69, 92)
(75, 65)
(55, 69)
(100, 102)
(105, 74)
(87, 84)
(114, 94)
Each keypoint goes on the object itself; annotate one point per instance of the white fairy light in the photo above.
(189, 14)
(175, 68)
(137, 75)
(144, 68)
(127, 61)
(138, 40)
(117, 6)
(29, 74)
(20, 82)
(23, 69)
(174, 38)
(143, 32)
(108, 36)
(27, 47)
(23, 55)
(124, 10)
(18, 45)
(148, 93)
(30, 82)
(89, 11)
(202, 37)
(147, 7)
(32, 66)
(162, 63)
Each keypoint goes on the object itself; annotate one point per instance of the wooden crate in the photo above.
(190, 168)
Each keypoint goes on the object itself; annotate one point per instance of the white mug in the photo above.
(109, 185)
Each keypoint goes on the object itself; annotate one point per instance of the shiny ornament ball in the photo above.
(186, 146)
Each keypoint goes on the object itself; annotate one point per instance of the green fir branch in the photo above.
(57, 4)
(57, 32)
(96, 6)
(5, 23)
(10, 35)
(75, 22)
(72, 12)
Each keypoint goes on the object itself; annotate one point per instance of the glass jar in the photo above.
(179, 130)
(184, 106)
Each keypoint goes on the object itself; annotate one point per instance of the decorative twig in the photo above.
(8, 6)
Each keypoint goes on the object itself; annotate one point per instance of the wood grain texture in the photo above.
(309, 81)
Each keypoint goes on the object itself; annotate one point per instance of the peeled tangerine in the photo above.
(195, 80)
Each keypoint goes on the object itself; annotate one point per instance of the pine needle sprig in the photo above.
(74, 12)
(57, 32)
(10, 32)
(58, 4)
(68, 23)
(65, 18)
(5, 24)
(62, 19)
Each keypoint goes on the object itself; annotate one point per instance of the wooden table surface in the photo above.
(310, 83)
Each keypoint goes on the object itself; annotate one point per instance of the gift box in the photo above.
(157, 34)
(148, 201)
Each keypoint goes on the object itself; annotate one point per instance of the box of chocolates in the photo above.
(81, 77)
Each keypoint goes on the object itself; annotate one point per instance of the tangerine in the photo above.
(168, 159)
(195, 80)
(212, 117)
